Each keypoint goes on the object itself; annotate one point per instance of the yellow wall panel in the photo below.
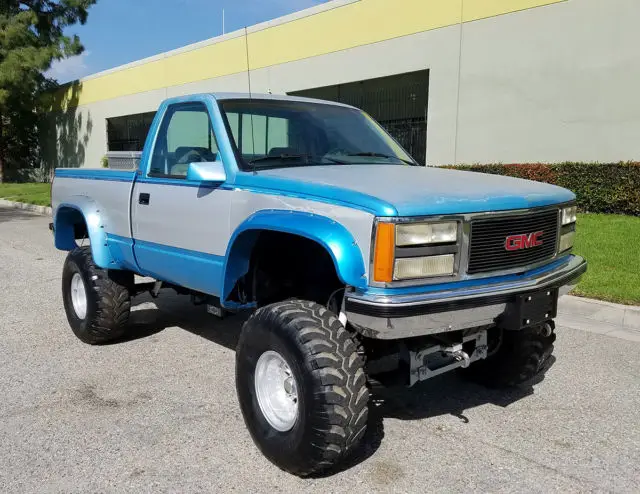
(356, 24)
(341, 28)
(227, 57)
(128, 81)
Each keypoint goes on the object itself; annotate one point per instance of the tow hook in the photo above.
(458, 354)
(435, 359)
(546, 330)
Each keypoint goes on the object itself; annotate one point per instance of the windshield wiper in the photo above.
(336, 160)
(281, 157)
(306, 157)
(373, 154)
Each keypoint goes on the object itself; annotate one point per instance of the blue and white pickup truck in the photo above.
(354, 260)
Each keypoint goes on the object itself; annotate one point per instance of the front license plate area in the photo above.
(531, 309)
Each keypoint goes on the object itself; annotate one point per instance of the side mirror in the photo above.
(209, 171)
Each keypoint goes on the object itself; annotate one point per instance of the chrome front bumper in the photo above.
(390, 317)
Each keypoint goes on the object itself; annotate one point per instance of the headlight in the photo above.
(426, 233)
(390, 261)
(569, 215)
(407, 268)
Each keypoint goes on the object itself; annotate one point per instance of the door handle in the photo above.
(144, 198)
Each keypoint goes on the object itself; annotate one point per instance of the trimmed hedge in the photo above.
(599, 187)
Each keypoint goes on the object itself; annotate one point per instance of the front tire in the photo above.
(97, 301)
(315, 363)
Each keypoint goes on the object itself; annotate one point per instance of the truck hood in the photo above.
(395, 190)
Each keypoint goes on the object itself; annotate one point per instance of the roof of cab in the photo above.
(276, 97)
(188, 98)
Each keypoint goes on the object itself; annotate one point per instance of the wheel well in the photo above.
(70, 225)
(285, 265)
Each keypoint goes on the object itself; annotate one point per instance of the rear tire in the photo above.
(97, 301)
(330, 386)
(521, 356)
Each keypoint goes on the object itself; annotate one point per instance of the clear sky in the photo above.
(121, 31)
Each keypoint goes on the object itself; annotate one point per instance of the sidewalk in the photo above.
(595, 316)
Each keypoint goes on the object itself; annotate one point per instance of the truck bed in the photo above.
(79, 187)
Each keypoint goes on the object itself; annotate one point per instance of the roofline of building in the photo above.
(317, 9)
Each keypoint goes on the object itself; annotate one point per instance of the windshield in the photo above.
(277, 134)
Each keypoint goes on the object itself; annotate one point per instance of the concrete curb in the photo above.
(595, 316)
(43, 210)
(627, 316)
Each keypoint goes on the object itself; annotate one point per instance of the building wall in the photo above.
(551, 84)
(516, 81)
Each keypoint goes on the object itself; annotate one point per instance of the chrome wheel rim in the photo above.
(78, 296)
(277, 391)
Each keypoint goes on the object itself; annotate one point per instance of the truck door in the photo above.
(181, 227)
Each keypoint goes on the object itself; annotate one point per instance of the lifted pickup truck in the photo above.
(356, 262)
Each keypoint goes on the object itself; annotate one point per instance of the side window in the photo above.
(185, 136)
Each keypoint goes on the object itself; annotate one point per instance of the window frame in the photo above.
(168, 114)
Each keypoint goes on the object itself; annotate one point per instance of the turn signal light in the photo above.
(384, 253)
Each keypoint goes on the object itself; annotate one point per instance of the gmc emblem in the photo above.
(523, 241)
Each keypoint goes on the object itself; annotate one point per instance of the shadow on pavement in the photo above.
(12, 214)
(444, 395)
(173, 310)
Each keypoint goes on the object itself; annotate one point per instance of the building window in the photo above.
(398, 102)
(128, 133)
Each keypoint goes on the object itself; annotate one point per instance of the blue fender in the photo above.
(334, 237)
(68, 214)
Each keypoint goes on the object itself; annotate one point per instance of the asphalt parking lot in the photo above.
(158, 412)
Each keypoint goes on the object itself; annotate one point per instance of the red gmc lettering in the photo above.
(523, 241)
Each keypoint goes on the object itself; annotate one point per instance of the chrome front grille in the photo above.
(488, 240)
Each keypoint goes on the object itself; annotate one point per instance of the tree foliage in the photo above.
(32, 36)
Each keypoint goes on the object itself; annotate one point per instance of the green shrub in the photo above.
(599, 187)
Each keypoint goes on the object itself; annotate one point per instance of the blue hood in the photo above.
(395, 190)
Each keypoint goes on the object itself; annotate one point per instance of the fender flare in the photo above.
(64, 219)
(330, 234)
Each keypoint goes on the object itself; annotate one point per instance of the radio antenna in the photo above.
(253, 140)
(246, 44)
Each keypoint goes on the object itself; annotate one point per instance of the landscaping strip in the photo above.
(31, 193)
(610, 244)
